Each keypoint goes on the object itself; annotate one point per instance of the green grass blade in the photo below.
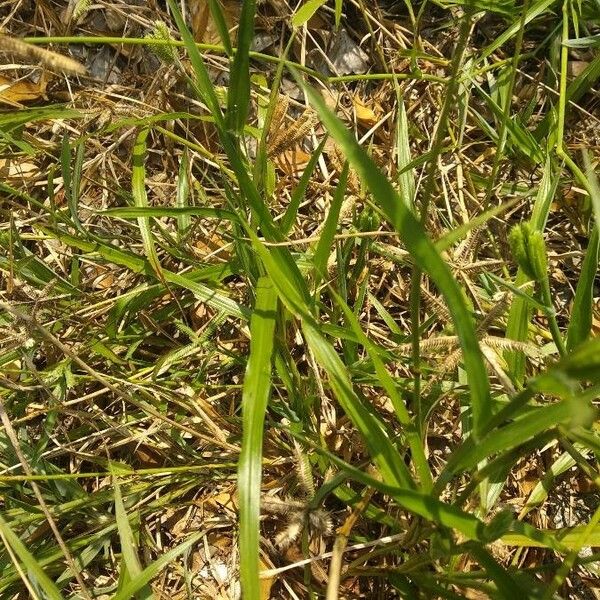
(138, 190)
(323, 248)
(387, 383)
(238, 94)
(582, 312)
(513, 435)
(289, 217)
(182, 197)
(202, 83)
(152, 570)
(216, 12)
(140, 265)
(406, 178)
(306, 11)
(135, 212)
(536, 9)
(338, 12)
(387, 458)
(72, 198)
(295, 297)
(130, 560)
(508, 587)
(37, 577)
(255, 398)
(520, 312)
(423, 252)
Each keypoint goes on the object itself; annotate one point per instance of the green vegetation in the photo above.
(338, 341)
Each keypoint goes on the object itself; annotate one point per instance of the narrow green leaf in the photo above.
(338, 13)
(138, 190)
(536, 9)
(135, 212)
(582, 311)
(299, 192)
(238, 94)
(216, 12)
(202, 83)
(520, 312)
(140, 265)
(182, 197)
(152, 570)
(255, 398)
(423, 252)
(387, 383)
(406, 178)
(508, 587)
(325, 242)
(65, 165)
(37, 576)
(306, 11)
(387, 458)
(512, 435)
(131, 561)
(591, 41)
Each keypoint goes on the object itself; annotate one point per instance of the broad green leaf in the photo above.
(255, 398)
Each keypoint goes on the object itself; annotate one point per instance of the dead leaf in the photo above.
(16, 92)
(346, 56)
(267, 583)
(292, 161)
(368, 116)
(203, 25)
(17, 169)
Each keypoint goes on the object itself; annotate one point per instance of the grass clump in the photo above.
(278, 331)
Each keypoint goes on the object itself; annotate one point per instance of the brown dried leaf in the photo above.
(203, 25)
(16, 92)
(292, 161)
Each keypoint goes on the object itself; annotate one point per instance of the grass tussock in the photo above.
(300, 301)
